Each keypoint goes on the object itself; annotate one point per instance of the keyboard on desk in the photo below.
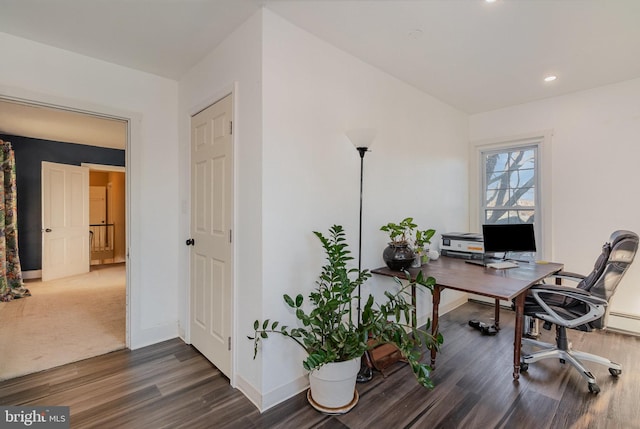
(502, 265)
(498, 264)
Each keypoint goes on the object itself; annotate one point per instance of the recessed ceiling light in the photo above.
(490, 1)
(550, 78)
(416, 33)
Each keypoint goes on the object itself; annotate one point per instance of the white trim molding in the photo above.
(101, 167)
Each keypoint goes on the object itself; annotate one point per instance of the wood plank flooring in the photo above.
(170, 385)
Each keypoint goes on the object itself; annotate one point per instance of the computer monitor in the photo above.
(516, 237)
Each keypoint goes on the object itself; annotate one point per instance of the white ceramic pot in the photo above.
(333, 384)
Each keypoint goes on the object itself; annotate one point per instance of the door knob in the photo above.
(47, 230)
(191, 242)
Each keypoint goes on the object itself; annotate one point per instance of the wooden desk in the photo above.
(508, 284)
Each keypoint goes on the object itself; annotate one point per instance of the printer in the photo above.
(465, 245)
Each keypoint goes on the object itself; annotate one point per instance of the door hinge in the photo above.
(229, 343)
(231, 127)
(230, 236)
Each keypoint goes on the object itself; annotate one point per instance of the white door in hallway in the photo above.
(65, 220)
(211, 223)
(97, 205)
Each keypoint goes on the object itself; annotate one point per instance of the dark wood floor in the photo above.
(170, 385)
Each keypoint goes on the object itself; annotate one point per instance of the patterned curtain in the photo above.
(11, 285)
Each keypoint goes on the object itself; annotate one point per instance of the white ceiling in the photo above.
(473, 55)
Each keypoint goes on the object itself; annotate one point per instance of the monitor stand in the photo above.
(487, 260)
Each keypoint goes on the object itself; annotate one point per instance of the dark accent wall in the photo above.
(29, 154)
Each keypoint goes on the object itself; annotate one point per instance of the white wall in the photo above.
(313, 93)
(595, 174)
(37, 72)
(296, 172)
(234, 65)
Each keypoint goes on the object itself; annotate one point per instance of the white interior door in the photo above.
(211, 222)
(65, 220)
(97, 205)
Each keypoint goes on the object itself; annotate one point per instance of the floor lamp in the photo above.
(362, 139)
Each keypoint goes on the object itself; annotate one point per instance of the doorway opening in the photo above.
(84, 333)
(107, 214)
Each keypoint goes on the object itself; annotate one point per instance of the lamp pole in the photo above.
(362, 151)
(362, 139)
(366, 373)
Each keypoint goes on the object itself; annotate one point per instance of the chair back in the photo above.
(617, 254)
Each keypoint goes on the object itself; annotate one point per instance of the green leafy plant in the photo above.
(400, 233)
(406, 232)
(423, 237)
(328, 332)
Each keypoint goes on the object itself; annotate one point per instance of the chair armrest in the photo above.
(596, 305)
(566, 275)
(568, 291)
(570, 274)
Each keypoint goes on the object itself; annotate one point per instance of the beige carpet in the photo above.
(64, 321)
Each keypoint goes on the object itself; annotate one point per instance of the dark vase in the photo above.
(398, 257)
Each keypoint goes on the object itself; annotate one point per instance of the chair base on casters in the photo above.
(565, 354)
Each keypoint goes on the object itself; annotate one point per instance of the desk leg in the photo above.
(496, 315)
(517, 341)
(434, 321)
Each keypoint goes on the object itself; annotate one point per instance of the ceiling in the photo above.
(18, 119)
(471, 54)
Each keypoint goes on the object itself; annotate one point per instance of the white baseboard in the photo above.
(274, 397)
(624, 323)
(146, 337)
(619, 322)
(443, 309)
(490, 301)
(32, 274)
(250, 392)
(284, 392)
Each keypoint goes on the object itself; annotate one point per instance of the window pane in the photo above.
(520, 178)
(496, 216)
(522, 159)
(510, 197)
(496, 197)
(509, 216)
(510, 179)
(524, 197)
(522, 216)
(497, 161)
(495, 180)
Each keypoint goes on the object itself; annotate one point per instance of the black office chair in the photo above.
(583, 307)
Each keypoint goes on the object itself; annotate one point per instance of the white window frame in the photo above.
(542, 141)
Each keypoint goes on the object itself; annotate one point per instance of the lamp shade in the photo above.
(361, 137)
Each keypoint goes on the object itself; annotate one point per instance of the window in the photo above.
(509, 187)
(510, 183)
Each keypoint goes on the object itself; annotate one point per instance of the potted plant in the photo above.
(398, 255)
(422, 238)
(332, 338)
(407, 247)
